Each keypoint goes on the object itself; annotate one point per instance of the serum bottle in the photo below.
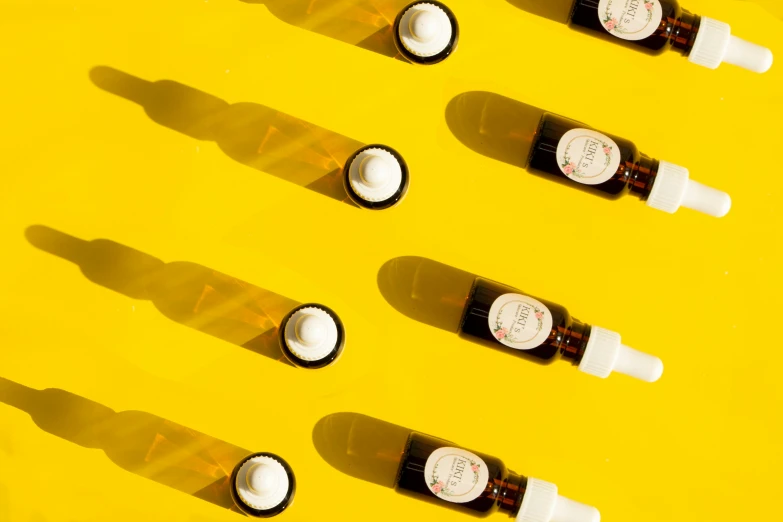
(612, 167)
(655, 26)
(436, 471)
(500, 316)
(312, 336)
(263, 485)
(426, 32)
(376, 177)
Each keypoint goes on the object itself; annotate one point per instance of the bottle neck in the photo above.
(683, 31)
(573, 340)
(642, 176)
(512, 491)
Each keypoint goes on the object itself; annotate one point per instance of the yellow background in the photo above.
(702, 444)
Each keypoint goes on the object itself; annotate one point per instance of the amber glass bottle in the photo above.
(609, 166)
(426, 32)
(655, 26)
(500, 316)
(436, 471)
(263, 485)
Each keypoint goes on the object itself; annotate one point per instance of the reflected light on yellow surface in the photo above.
(364, 23)
(361, 446)
(187, 293)
(249, 133)
(425, 290)
(136, 441)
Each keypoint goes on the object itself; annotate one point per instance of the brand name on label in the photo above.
(590, 152)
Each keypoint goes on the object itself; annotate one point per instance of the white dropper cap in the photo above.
(375, 174)
(673, 189)
(311, 334)
(262, 483)
(425, 29)
(715, 44)
(541, 503)
(606, 354)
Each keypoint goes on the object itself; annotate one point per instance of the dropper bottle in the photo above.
(376, 177)
(312, 336)
(612, 167)
(436, 471)
(500, 316)
(263, 485)
(655, 26)
(426, 32)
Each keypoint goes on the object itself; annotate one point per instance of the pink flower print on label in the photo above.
(539, 315)
(436, 488)
(474, 468)
(611, 24)
(500, 334)
(568, 169)
(648, 6)
(607, 150)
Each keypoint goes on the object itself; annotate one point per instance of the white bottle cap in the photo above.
(605, 354)
(425, 30)
(311, 334)
(375, 174)
(714, 45)
(262, 483)
(541, 503)
(673, 189)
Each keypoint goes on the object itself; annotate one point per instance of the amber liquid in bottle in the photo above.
(635, 174)
(567, 339)
(677, 30)
(503, 492)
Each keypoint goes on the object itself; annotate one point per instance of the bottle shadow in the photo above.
(360, 446)
(187, 293)
(425, 290)
(139, 442)
(494, 126)
(251, 134)
(366, 24)
(555, 10)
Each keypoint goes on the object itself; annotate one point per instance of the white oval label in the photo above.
(630, 19)
(455, 475)
(587, 156)
(519, 321)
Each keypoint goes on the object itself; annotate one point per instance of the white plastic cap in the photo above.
(541, 503)
(714, 45)
(425, 30)
(262, 483)
(375, 174)
(311, 334)
(606, 354)
(673, 189)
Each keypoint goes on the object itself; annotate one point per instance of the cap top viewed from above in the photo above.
(263, 485)
(312, 336)
(376, 177)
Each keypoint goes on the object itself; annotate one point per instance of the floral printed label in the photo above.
(519, 321)
(456, 475)
(630, 19)
(588, 156)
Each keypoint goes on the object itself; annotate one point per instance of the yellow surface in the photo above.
(702, 444)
